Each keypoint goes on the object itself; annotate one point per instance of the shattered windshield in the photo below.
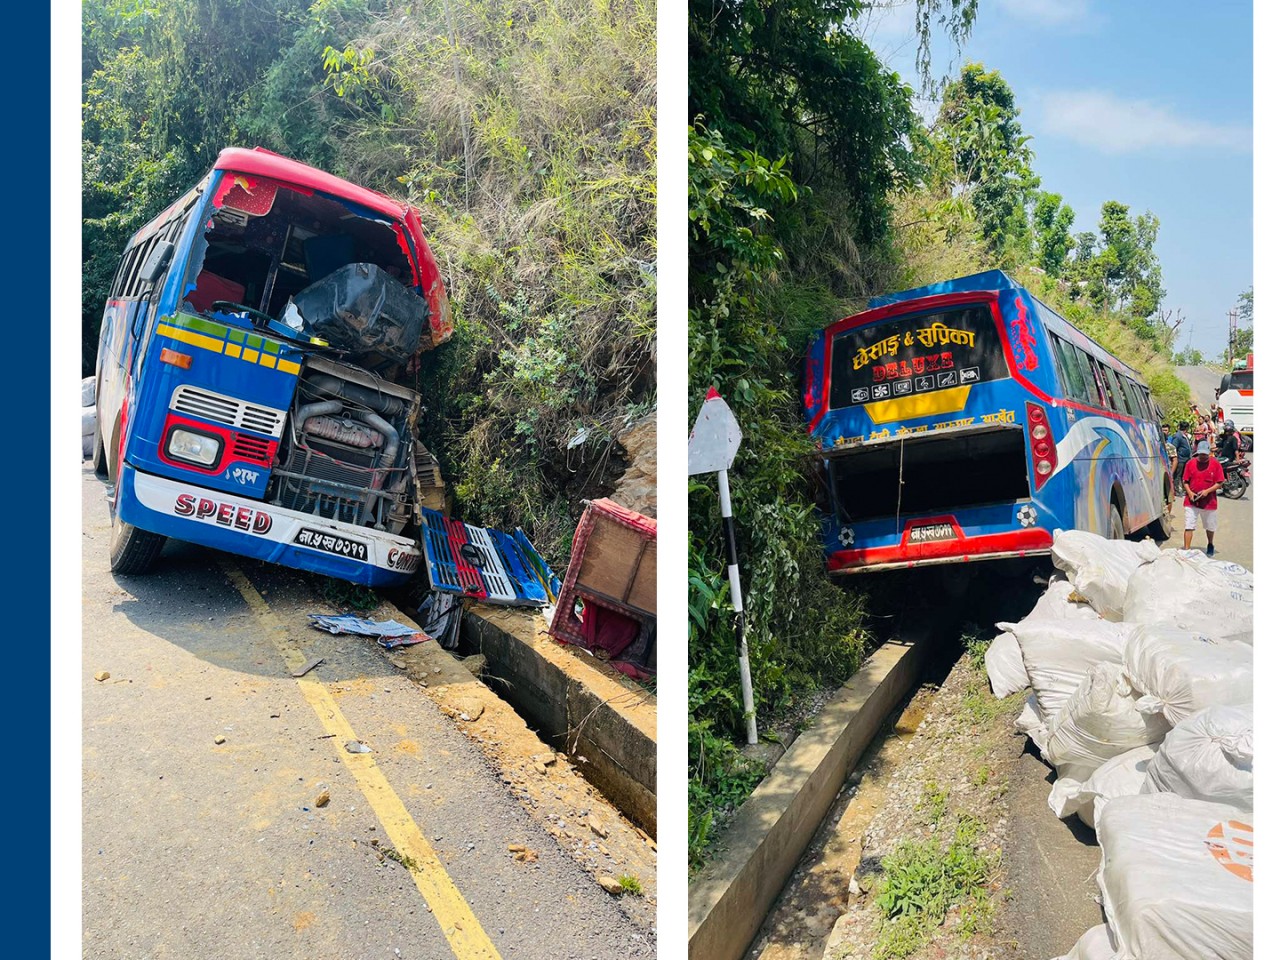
(265, 244)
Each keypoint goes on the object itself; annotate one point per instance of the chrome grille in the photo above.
(229, 410)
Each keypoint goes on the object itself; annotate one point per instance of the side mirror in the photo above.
(156, 263)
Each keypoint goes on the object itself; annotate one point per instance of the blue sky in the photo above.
(1147, 103)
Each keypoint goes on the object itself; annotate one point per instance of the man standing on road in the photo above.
(1182, 448)
(1202, 480)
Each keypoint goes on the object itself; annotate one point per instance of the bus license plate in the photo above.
(931, 532)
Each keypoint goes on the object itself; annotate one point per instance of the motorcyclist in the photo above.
(1229, 443)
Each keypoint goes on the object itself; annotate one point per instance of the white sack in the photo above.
(1056, 604)
(88, 391)
(1100, 721)
(1186, 589)
(1120, 776)
(1058, 653)
(1100, 568)
(1177, 878)
(1207, 757)
(1031, 722)
(1098, 943)
(1182, 673)
(1003, 661)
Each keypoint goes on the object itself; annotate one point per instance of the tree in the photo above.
(1117, 270)
(1243, 342)
(1051, 232)
(981, 153)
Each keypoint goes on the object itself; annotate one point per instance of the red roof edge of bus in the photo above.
(264, 163)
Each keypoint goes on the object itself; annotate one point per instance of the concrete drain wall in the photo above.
(609, 722)
(730, 898)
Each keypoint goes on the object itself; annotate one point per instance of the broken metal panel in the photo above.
(482, 563)
(252, 195)
(612, 579)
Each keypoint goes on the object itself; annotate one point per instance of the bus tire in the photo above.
(99, 455)
(1116, 529)
(1161, 529)
(133, 551)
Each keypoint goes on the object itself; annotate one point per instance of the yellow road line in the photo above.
(461, 928)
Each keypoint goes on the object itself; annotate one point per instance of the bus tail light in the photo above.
(1044, 452)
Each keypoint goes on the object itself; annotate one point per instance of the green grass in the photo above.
(630, 885)
(923, 881)
(934, 803)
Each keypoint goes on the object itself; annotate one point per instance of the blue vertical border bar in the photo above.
(31, 337)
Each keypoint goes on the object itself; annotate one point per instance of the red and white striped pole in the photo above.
(713, 443)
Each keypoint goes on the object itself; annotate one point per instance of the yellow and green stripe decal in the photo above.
(228, 341)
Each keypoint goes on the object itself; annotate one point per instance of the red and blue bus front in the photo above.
(208, 422)
(940, 423)
(238, 432)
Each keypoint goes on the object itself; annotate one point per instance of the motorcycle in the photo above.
(1237, 479)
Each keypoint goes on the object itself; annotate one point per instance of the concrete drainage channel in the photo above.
(770, 833)
(607, 723)
(588, 718)
(731, 897)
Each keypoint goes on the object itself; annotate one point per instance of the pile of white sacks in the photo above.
(1140, 666)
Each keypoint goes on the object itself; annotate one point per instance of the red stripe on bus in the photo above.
(1033, 539)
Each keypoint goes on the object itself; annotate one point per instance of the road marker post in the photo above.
(713, 443)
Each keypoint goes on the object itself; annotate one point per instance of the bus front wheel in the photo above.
(133, 551)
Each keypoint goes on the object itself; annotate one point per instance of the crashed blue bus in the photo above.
(256, 387)
(966, 421)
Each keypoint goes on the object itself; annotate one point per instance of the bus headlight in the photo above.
(192, 447)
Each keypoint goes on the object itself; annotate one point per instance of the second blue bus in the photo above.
(966, 421)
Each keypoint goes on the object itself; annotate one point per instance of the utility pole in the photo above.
(1231, 337)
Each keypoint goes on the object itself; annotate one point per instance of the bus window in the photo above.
(1136, 400)
(1104, 388)
(1119, 399)
(1069, 367)
(1088, 371)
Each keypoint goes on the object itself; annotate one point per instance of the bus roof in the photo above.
(987, 280)
(993, 280)
(264, 163)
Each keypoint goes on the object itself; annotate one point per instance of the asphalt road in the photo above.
(1202, 381)
(195, 849)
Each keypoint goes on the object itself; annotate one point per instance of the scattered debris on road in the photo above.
(219, 739)
(389, 633)
(609, 883)
(355, 746)
(101, 675)
(307, 667)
